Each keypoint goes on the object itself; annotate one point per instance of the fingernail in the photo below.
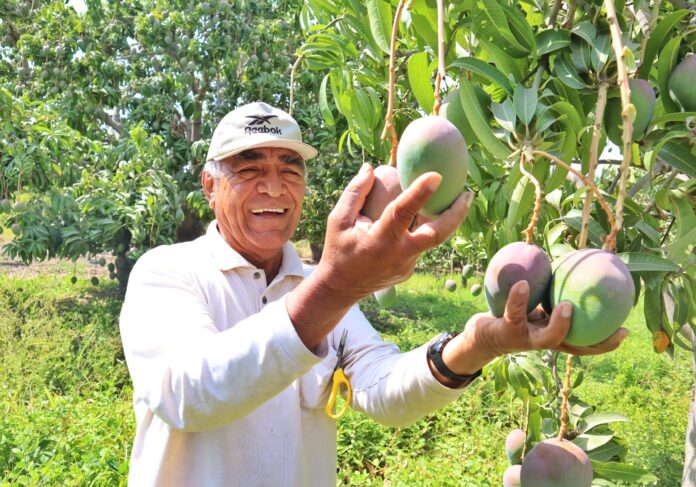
(434, 183)
(523, 288)
(566, 310)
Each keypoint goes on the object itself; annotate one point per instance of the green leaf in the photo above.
(484, 69)
(523, 195)
(601, 52)
(503, 60)
(678, 156)
(673, 117)
(552, 40)
(520, 28)
(525, 101)
(621, 471)
(380, 15)
(567, 75)
(658, 38)
(595, 420)
(571, 114)
(419, 77)
(324, 104)
(591, 442)
(606, 452)
(424, 23)
(665, 64)
(504, 114)
(478, 121)
(574, 219)
(642, 262)
(586, 30)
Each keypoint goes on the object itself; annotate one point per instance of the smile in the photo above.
(260, 211)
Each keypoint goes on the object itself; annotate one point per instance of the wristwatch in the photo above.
(435, 355)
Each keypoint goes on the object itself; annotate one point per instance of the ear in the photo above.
(208, 183)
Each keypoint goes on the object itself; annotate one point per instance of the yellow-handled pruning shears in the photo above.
(339, 379)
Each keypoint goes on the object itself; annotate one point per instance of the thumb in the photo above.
(516, 305)
(353, 197)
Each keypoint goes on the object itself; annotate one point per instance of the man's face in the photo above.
(258, 200)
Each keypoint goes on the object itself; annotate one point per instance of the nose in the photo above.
(272, 184)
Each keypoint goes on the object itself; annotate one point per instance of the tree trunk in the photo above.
(317, 249)
(689, 477)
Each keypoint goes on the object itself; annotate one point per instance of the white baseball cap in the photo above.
(257, 125)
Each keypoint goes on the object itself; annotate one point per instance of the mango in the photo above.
(554, 463)
(450, 285)
(681, 83)
(385, 297)
(643, 98)
(453, 111)
(475, 290)
(433, 144)
(385, 189)
(660, 341)
(16, 228)
(515, 262)
(511, 477)
(514, 444)
(601, 290)
(467, 271)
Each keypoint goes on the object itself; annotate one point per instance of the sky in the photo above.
(78, 5)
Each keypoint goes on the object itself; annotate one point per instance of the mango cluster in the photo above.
(597, 283)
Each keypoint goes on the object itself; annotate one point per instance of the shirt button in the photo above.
(264, 300)
(257, 275)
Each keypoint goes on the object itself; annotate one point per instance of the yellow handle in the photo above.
(339, 378)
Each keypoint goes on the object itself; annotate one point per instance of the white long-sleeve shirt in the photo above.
(226, 393)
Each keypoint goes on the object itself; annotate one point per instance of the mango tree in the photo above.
(105, 116)
(543, 93)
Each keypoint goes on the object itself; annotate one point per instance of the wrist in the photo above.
(467, 352)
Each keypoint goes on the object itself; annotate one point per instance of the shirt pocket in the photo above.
(315, 385)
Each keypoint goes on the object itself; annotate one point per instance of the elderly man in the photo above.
(231, 341)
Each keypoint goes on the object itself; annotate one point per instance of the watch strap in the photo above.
(435, 355)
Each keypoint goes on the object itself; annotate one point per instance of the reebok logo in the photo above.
(258, 125)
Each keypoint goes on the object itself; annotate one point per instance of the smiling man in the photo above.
(231, 341)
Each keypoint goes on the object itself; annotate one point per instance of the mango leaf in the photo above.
(491, 21)
(679, 157)
(600, 419)
(504, 114)
(503, 60)
(324, 104)
(523, 196)
(520, 29)
(642, 262)
(567, 75)
(552, 40)
(658, 38)
(665, 64)
(478, 121)
(604, 453)
(590, 442)
(424, 23)
(419, 78)
(380, 15)
(571, 114)
(586, 30)
(484, 69)
(525, 101)
(574, 219)
(601, 52)
(622, 471)
(673, 117)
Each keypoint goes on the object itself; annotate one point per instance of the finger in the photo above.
(353, 197)
(552, 335)
(399, 214)
(432, 233)
(516, 305)
(608, 345)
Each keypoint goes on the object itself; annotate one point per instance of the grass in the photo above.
(65, 395)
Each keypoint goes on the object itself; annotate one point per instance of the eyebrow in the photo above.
(252, 155)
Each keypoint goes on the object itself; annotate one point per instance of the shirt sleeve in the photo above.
(190, 374)
(394, 388)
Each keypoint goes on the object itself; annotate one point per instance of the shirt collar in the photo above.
(227, 258)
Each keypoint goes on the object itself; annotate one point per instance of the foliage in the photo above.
(68, 416)
(106, 114)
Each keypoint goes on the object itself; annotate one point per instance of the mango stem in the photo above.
(566, 394)
(389, 119)
(441, 73)
(529, 231)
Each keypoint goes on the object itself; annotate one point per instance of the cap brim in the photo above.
(305, 151)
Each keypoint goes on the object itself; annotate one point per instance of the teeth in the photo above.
(256, 211)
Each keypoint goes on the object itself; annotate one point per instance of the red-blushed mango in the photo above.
(433, 144)
(514, 445)
(601, 290)
(475, 289)
(450, 285)
(385, 189)
(385, 297)
(556, 463)
(518, 261)
(453, 111)
(681, 83)
(511, 477)
(643, 98)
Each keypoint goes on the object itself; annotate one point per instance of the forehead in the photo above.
(266, 153)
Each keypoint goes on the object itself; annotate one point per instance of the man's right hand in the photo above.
(361, 256)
